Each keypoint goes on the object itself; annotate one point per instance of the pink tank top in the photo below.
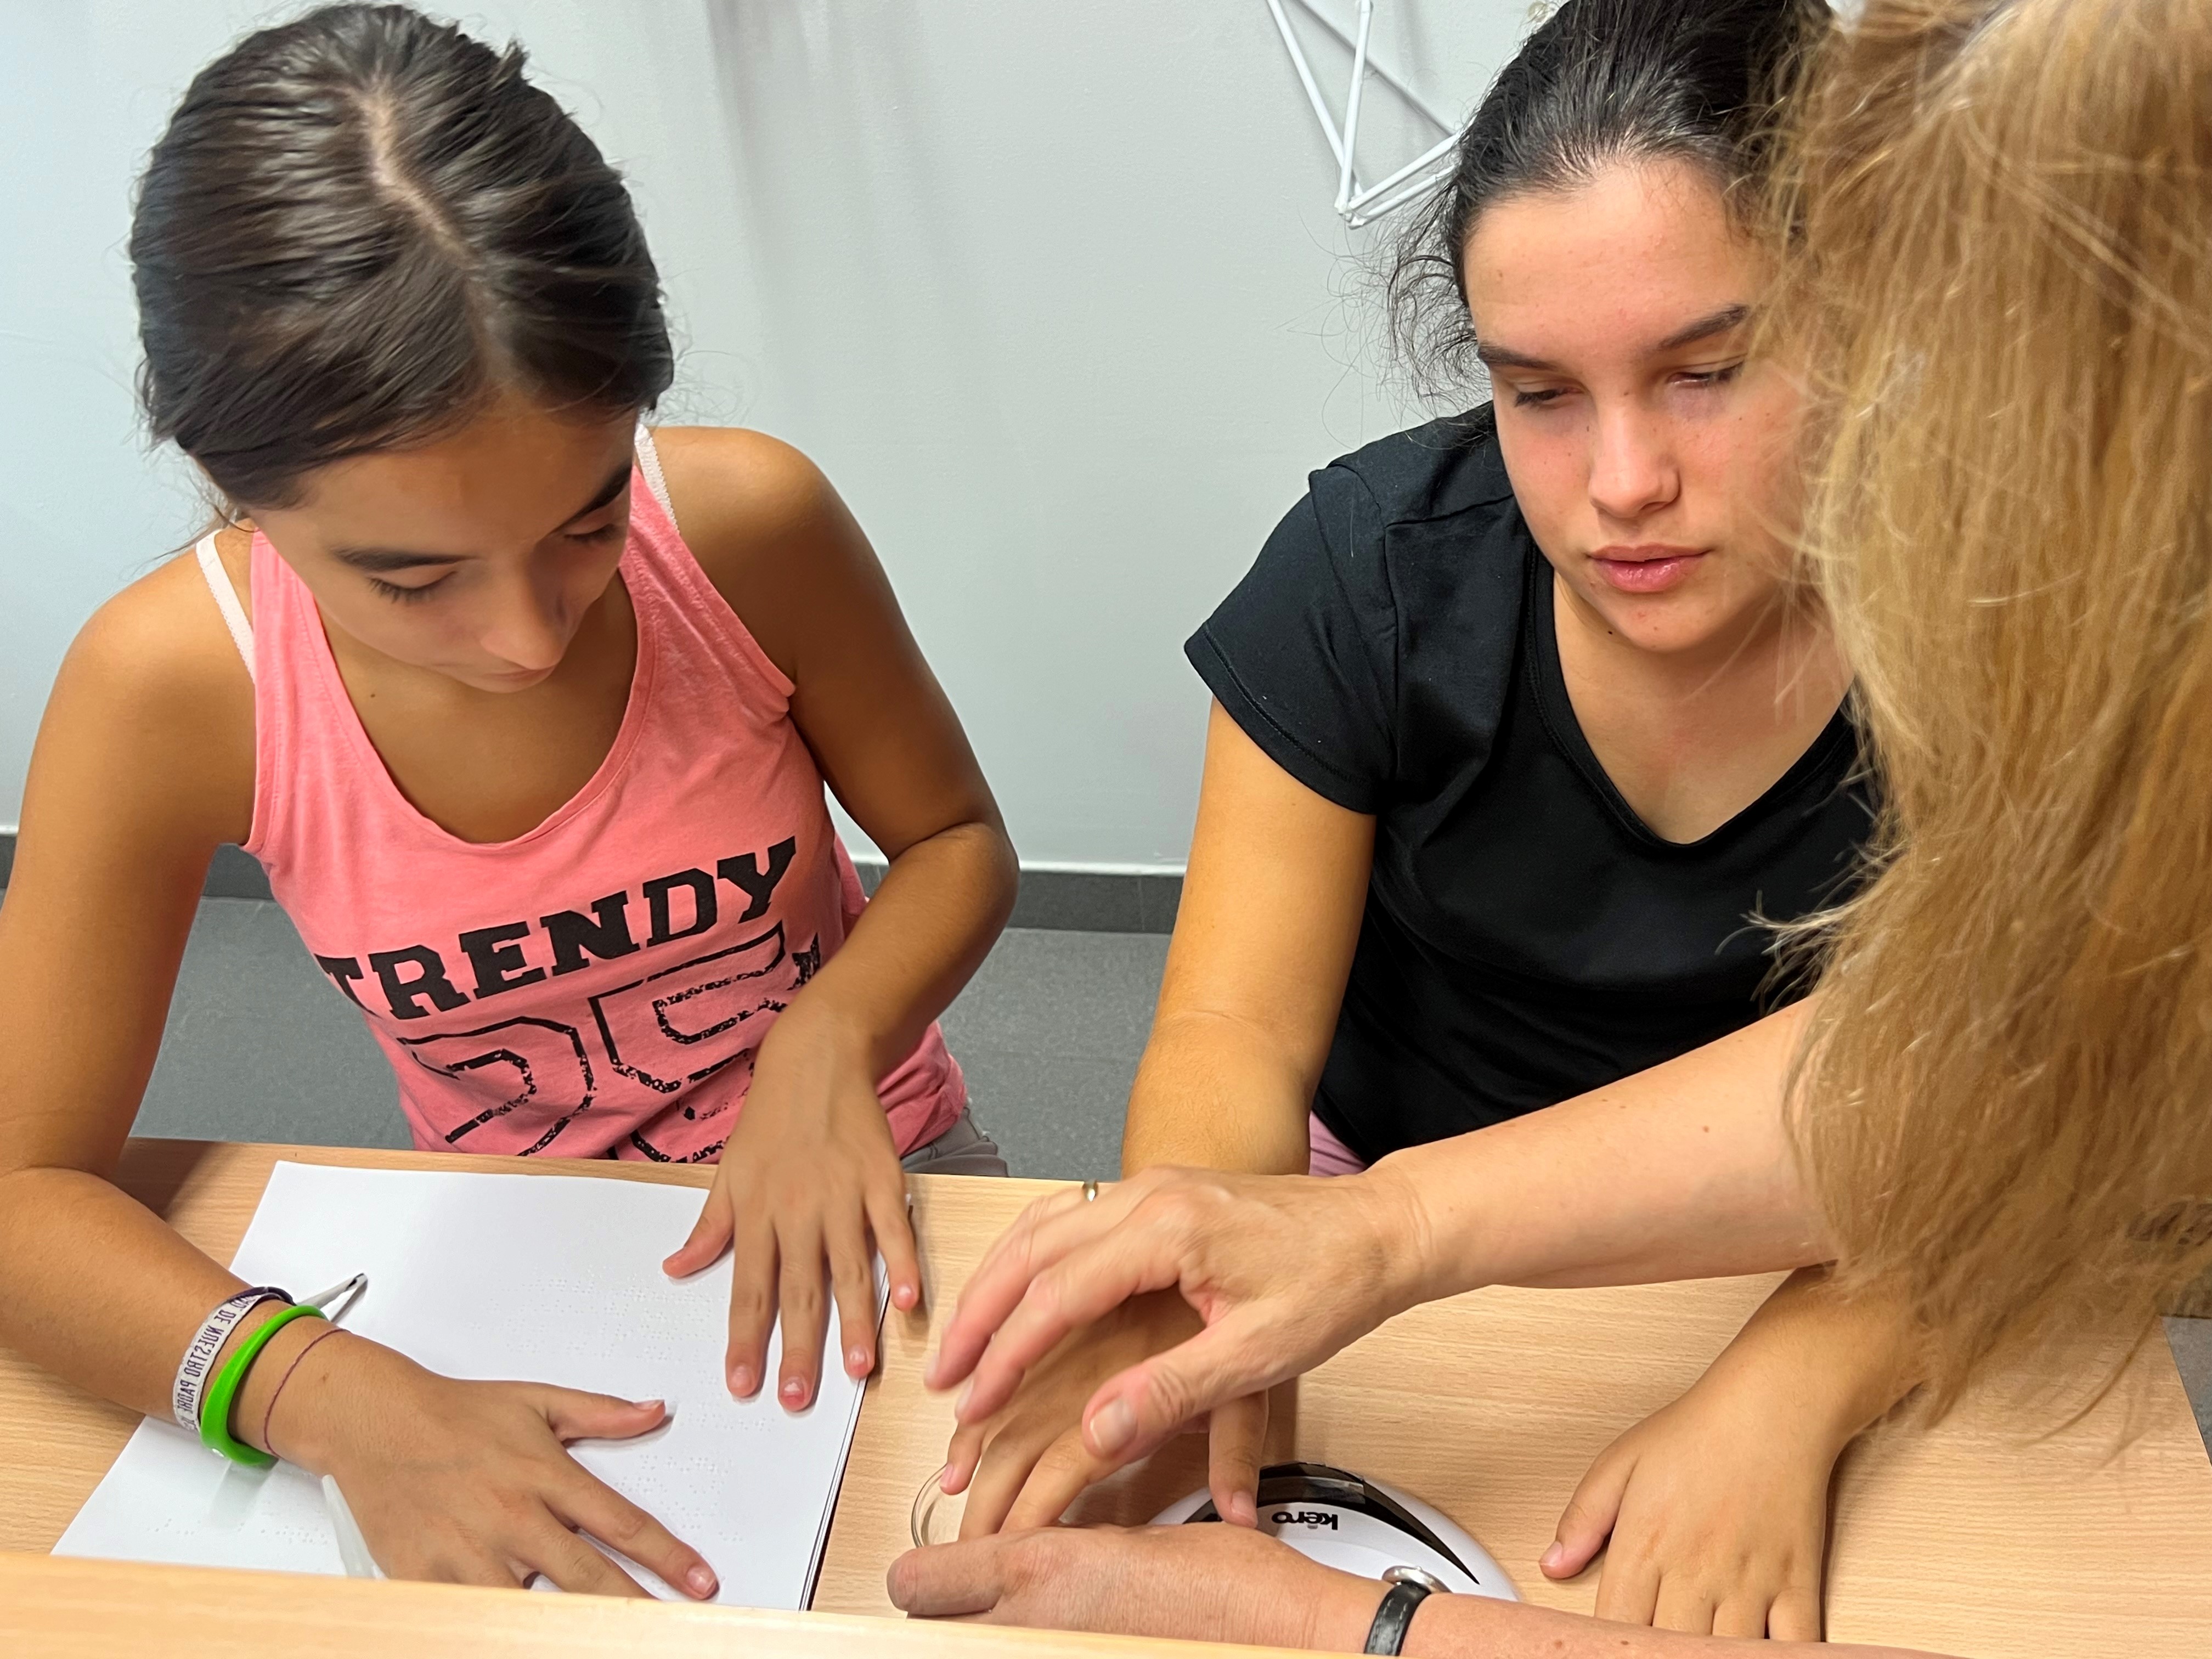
(598, 986)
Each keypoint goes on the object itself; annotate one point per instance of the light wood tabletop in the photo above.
(56, 1608)
(1990, 1537)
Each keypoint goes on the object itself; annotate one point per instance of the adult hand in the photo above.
(470, 1483)
(1282, 1270)
(1027, 1463)
(1205, 1583)
(808, 1174)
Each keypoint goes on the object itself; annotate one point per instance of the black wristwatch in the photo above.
(1408, 1588)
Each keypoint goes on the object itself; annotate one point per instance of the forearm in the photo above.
(1476, 1627)
(1218, 1093)
(935, 918)
(1683, 1171)
(99, 1290)
(1844, 1361)
(1449, 1626)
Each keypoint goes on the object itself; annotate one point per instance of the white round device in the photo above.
(1343, 1520)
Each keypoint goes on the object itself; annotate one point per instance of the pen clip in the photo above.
(343, 1293)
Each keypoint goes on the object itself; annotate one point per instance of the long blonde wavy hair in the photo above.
(1999, 214)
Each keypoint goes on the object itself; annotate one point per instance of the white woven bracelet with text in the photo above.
(193, 1374)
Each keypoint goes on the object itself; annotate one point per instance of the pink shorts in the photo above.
(1325, 1154)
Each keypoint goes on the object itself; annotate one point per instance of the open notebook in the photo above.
(545, 1279)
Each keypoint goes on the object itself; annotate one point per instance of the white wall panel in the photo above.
(1052, 290)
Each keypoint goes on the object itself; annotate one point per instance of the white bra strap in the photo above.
(648, 462)
(225, 599)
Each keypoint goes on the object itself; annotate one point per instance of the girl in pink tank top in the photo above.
(539, 775)
(600, 985)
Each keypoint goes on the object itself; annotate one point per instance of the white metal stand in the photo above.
(1356, 204)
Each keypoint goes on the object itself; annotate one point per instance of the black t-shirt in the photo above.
(1526, 938)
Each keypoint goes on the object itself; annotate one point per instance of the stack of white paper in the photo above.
(541, 1278)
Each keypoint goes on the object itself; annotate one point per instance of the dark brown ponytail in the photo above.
(1599, 81)
(360, 225)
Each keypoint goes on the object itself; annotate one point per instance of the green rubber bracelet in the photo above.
(222, 1393)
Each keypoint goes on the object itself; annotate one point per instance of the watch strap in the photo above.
(1394, 1616)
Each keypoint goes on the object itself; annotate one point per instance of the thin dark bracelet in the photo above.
(323, 1335)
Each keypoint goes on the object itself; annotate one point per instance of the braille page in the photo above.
(545, 1279)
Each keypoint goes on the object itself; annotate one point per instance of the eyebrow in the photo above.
(382, 559)
(1704, 328)
(1719, 322)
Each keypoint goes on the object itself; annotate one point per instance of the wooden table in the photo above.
(1979, 1538)
(53, 1607)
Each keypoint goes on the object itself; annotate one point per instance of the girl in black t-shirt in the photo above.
(1520, 728)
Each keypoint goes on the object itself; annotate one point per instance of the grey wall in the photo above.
(1053, 290)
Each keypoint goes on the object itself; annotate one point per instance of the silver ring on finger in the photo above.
(1090, 1192)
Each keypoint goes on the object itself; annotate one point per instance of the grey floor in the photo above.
(259, 1048)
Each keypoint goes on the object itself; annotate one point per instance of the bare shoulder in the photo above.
(162, 637)
(154, 686)
(737, 492)
(771, 534)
